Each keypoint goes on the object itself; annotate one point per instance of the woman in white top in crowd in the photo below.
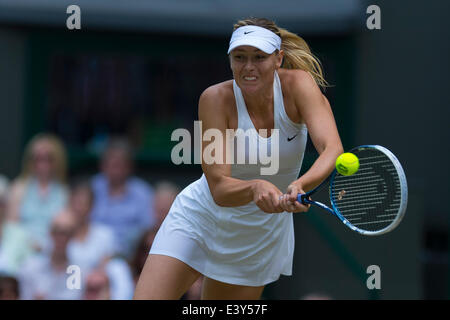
(40, 192)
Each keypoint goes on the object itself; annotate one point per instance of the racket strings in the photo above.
(322, 195)
(370, 198)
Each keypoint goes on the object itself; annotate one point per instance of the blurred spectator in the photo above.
(165, 194)
(122, 201)
(92, 247)
(9, 288)
(141, 253)
(14, 244)
(120, 279)
(44, 275)
(92, 244)
(97, 286)
(111, 282)
(39, 193)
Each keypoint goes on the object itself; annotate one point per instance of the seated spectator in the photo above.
(111, 282)
(39, 193)
(120, 279)
(122, 201)
(97, 286)
(165, 194)
(44, 275)
(14, 244)
(141, 253)
(92, 244)
(9, 288)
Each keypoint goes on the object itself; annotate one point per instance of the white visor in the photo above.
(258, 37)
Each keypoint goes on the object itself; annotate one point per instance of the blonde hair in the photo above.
(297, 54)
(58, 153)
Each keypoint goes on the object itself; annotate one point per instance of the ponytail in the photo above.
(297, 55)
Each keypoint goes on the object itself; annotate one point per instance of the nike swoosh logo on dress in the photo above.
(289, 139)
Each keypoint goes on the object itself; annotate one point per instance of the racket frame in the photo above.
(304, 198)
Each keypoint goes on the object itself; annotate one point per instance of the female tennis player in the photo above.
(234, 225)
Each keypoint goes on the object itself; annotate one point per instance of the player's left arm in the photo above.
(316, 113)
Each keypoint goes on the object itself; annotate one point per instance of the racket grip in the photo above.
(303, 198)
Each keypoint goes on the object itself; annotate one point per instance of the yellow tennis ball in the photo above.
(347, 164)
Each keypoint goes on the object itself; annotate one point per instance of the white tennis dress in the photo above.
(239, 245)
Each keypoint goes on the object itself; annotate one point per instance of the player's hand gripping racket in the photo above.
(373, 200)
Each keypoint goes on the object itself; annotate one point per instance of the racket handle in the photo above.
(303, 198)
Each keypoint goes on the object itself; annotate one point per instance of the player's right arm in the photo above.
(226, 190)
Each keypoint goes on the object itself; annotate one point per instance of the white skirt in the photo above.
(239, 245)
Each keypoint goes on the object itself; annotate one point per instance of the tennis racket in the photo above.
(373, 200)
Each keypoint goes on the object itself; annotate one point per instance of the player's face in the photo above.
(253, 69)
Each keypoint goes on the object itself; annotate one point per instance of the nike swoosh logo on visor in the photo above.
(247, 32)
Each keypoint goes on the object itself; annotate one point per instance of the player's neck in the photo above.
(259, 103)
